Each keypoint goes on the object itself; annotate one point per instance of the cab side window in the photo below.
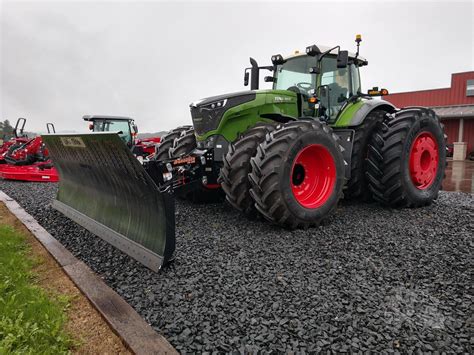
(355, 79)
(335, 87)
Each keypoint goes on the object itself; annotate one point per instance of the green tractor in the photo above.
(289, 154)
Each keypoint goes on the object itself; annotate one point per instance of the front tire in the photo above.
(298, 174)
(407, 158)
(234, 173)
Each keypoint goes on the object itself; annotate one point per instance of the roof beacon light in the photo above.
(358, 40)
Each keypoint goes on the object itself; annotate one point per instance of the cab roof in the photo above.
(103, 117)
(324, 49)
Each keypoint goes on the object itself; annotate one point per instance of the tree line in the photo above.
(6, 130)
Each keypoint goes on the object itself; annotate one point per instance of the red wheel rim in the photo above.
(313, 176)
(424, 160)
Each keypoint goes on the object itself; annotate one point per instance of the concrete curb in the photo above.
(136, 334)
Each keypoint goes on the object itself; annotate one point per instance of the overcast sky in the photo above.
(149, 60)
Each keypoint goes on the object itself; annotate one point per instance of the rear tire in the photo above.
(357, 187)
(407, 158)
(288, 185)
(167, 141)
(184, 144)
(234, 174)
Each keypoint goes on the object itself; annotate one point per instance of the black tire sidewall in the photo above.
(413, 193)
(364, 142)
(296, 209)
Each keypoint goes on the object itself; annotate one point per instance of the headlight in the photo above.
(218, 104)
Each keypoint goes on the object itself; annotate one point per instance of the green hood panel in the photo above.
(238, 119)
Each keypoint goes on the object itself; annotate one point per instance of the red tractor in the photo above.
(27, 159)
(19, 138)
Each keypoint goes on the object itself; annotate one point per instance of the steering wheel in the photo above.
(304, 86)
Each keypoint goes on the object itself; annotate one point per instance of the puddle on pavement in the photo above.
(459, 176)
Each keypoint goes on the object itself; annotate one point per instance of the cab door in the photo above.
(334, 89)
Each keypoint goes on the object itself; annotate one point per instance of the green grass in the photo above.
(31, 321)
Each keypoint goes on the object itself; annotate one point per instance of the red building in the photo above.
(454, 105)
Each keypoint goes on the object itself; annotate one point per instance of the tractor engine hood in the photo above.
(207, 113)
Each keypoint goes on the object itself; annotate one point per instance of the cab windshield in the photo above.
(294, 75)
(334, 85)
(114, 126)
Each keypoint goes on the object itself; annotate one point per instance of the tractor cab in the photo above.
(125, 126)
(319, 95)
(324, 79)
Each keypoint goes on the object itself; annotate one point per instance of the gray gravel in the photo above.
(370, 278)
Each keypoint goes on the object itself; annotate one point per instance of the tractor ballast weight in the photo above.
(105, 189)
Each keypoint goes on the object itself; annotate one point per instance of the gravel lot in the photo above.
(370, 278)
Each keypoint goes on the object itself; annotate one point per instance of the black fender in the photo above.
(429, 111)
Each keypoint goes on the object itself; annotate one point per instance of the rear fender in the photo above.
(349, 118)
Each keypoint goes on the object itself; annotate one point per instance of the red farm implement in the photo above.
(27, 159)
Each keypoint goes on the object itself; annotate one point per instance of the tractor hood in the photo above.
(210, 113)
(241, 95)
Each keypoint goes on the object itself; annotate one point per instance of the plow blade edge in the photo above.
(105, 189)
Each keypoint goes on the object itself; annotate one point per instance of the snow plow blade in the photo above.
(106, 190)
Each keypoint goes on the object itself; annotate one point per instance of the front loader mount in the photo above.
(105, 189)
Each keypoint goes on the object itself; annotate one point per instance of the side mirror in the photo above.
(342, 59)
(246, 78)
(269, 79)
(314, 70)
(135, 128)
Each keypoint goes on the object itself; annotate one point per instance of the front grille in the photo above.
(207, 119)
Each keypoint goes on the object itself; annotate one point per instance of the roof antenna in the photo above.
(358, 40)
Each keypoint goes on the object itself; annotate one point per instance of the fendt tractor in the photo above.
(288, 154)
